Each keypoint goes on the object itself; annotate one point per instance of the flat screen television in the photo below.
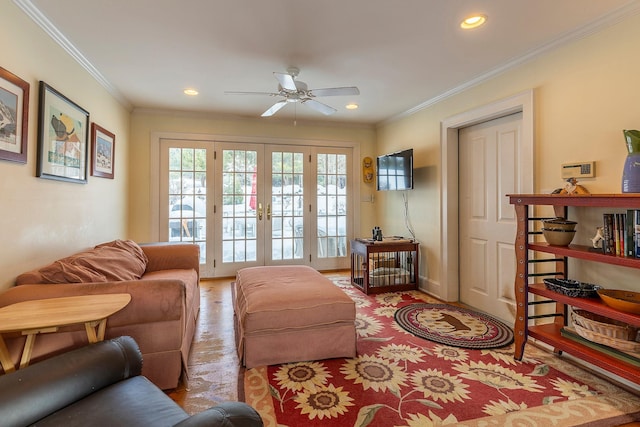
(395, 171)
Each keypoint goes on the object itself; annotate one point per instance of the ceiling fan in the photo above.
(293, 90)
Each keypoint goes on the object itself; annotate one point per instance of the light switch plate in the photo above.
(578, 170)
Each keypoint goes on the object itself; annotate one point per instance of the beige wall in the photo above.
(145, 123)
(42, 219)
(585, 94)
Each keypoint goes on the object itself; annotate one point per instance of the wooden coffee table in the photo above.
(47, 315)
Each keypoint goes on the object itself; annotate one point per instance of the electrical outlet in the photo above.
(578, 170)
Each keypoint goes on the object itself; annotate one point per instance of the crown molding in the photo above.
(47, 26)
(606, 21)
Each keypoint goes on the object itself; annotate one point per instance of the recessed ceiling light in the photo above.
(473, 22)
(190, 92)
(351, 106)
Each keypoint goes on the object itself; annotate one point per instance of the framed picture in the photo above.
(103, 150)
(14, 115)
(63, 137)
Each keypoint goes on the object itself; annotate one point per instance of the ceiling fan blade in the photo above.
(274, 108)
(251, 93)
(286, 81)
(335, 91)
(319, 106)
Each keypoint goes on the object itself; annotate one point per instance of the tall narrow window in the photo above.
(188, 197)
(332, 205)
(239, 227)
(287, 213)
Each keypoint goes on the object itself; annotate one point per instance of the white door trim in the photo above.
(448, 288)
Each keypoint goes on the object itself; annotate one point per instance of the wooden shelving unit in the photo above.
(550, 333)
(378, 267)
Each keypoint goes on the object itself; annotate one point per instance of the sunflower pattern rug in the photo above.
(398, 379)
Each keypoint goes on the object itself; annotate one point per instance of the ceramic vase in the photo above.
(631, 172)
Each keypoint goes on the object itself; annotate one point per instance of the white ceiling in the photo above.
(402, 54)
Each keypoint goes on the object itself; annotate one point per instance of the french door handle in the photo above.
(260, 211)
(268, 211)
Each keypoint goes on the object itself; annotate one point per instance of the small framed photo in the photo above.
(14, 115)
(103, 150)
(63, 137)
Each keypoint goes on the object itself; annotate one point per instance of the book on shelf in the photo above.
(629, 228)
(608, 243)
(636, 233)
(570, 333)
(621, 232)
(620, 223)
(616, 234)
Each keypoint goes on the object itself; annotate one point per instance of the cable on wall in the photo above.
(407, 220)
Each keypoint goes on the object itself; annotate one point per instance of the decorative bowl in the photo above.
(558, 237)
(622, 300)
(559, 224)
(572, 288)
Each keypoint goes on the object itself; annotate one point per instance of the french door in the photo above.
(265, 204)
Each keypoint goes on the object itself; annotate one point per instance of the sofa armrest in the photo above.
(151, 300)
(170, 256)
(30, 394)
(227, 414)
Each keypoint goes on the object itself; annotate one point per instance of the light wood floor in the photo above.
(213, 362)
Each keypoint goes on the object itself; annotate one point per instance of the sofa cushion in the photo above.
(113, 261)
(117, 260)
(66, 272)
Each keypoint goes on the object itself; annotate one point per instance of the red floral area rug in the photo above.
(454, 326)
(398, 379)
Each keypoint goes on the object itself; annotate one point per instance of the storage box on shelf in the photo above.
(387, 266)
(552, 333)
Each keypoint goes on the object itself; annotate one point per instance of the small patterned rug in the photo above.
(454, 326)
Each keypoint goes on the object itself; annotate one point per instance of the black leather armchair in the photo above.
(101, 385)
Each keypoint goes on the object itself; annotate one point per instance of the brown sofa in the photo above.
(163, 281)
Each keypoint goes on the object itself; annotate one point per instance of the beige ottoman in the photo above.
(291, 314)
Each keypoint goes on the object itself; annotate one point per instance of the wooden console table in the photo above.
(47, 315)
(387, 266)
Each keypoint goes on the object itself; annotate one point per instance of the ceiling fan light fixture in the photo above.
(473, 21)
(295, 91)
(352, 106)
(190, 92)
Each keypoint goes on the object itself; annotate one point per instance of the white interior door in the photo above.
(489, 158)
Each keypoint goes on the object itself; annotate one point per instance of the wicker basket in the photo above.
(622, 345)
(604, 326)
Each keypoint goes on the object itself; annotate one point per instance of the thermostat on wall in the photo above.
(579, 170)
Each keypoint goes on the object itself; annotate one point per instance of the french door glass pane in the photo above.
(188, 197)
(239, 226)
(332, 205)
(287, 191)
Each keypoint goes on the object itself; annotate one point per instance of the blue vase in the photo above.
(631, 172)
